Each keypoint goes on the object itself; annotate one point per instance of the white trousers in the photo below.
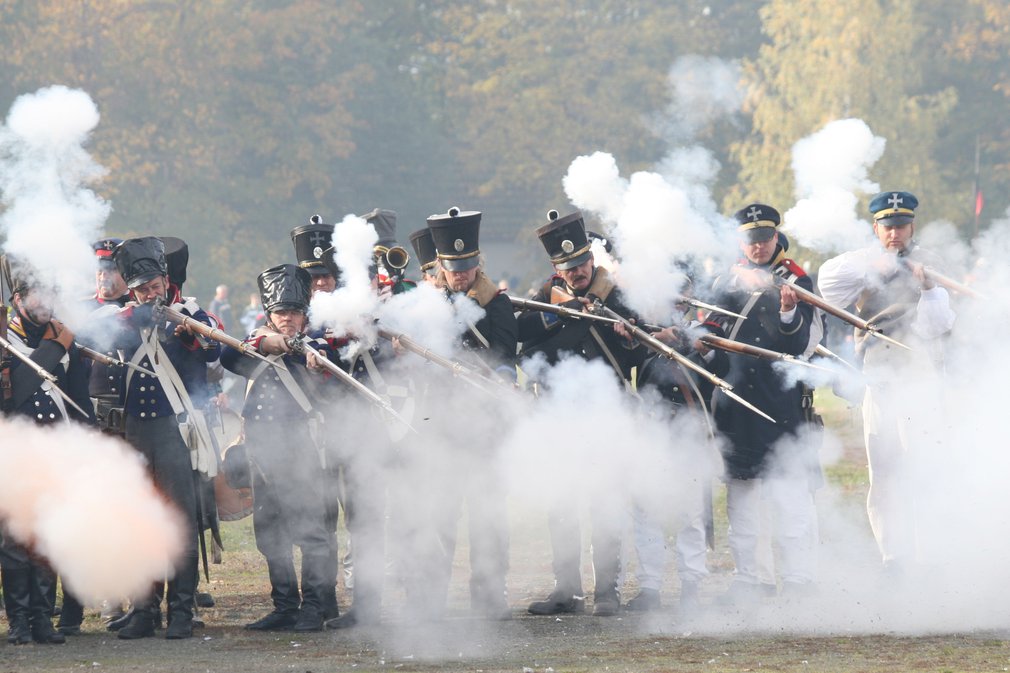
(791, 520)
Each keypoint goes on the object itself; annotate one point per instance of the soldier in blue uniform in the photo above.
(282, 441)
(568, 246)
(29, 584)
(492, 341)
(762, 461)
(106, 386)
(159, 411)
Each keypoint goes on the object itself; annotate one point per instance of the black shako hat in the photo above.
(757, 222)
(424, 248)
(140, 260)
(384, 222)
(457, 238)
(565, 240)
(285, 287)
(311, 241)
(177, 259)
(103, 251)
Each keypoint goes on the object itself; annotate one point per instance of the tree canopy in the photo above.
(229, 122)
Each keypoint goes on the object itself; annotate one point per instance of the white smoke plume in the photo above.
(349, 308)
(654, 228)
(831, 168)
(56, 500)
(703, 89)
(51, 217)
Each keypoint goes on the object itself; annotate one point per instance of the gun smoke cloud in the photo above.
(51, 216)
(57, 499)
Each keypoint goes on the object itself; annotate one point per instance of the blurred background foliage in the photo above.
(229, 122)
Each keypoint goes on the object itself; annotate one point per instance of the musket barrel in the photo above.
(564, 311)
(475, 379)
(48, 377)
(349, 380)
(840, 313)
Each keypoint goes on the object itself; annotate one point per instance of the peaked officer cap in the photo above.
(757, 222)
(893, 209)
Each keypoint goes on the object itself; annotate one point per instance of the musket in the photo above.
(661, 348)
(48, 379)
(299, 345)
(644, 337)
(842, 314)
(944, 281)
(171, 314)
(563, 311)
(110, 361)
(731, 346)
(458, 369)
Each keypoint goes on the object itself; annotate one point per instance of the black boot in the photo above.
(43, 595)
(139, 624)
(560, 601)
(17, 603)
(181, 596)
(72, 615)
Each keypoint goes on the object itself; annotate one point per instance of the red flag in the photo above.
(979, 202)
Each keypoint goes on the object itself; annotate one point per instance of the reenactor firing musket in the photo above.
(651, 342)
(661, 348)
(842, 314)
(110, 361)
(179, 318)
(48, 380)
(458, 369)
(731, 346)
(299, 345)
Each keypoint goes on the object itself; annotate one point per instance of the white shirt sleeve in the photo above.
(841, 279)
(933, 315)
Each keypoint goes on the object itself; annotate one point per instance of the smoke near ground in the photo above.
(84, 502)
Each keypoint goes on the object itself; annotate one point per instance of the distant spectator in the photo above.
(221, 307)
(253, 316)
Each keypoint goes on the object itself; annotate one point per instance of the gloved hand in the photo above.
(59, 333)
(274, 344)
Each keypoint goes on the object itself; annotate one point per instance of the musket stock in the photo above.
(179, 318)
(731, 346)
